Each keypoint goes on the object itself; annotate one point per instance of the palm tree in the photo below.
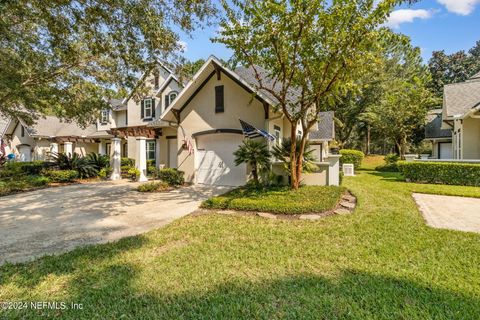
(255, 154)
(282, 153)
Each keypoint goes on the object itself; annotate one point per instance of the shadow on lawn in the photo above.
(112, 292)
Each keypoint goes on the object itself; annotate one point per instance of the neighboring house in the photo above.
(48, 135)
(441, 139)
(195, 129)
(461, 115)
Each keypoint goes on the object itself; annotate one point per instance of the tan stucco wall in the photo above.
(471, 138)
(83, 148)
(200, 115)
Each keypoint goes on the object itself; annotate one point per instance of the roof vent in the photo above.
(348, 170)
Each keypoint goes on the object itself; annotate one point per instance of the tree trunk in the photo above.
(303, 142)
(368, 140)
(293, 157)
(255, 173)
(403, 147)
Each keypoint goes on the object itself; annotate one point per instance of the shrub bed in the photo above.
(153, 187)
(62, 175)
(171, 176)
(351, 156)
(464, 174)
(281, 200)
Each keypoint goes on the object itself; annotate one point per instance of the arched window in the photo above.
(171, 96)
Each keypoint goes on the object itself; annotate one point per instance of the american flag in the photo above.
(2, 147)
(189, 144)
(251, 132)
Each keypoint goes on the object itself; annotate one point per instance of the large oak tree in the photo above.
(64, 57)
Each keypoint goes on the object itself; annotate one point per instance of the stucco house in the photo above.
(195, 128)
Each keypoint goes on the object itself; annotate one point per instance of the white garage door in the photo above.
(446, 150)
(214, 160)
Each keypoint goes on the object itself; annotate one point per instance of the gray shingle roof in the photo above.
(117, 104)
(326, 128)
(3, 125)
(248, 75)
(460, 98)
(475, 76)
(433, 126)
(53, 127)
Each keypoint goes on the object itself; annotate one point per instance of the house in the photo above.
(206, 117)
(441, 139)
(195, 128)
(47, 135)
(461, 115)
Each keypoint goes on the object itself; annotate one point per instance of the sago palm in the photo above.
(254, 153)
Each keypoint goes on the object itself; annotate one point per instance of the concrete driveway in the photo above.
(56, 220)
(456, 213)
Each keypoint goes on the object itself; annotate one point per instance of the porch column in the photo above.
(333, 169)
(141, 162)
(68, 148)
(53, 149)
(101, 148)
(115, 159)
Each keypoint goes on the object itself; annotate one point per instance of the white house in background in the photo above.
(195, 129)
(461, 115)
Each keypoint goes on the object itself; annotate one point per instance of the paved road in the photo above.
(56, 220)
(456, 213)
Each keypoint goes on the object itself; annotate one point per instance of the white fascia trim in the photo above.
(212, 59)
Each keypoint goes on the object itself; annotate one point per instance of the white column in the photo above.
(141, 162)
(68, 148)
(115, 159)
(101, 147)
(53, 148)
(333, 169)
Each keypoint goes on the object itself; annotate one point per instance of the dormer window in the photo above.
(104, 117)
(148, 108)
(170, 97)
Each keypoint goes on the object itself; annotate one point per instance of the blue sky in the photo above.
(451, 25)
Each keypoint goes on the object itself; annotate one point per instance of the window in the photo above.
(170, 97)
(23, 131)
(219, 99)
(108, 148)
(147, 108)
(277, 133)
(157, 80)
(151, 150)
(104, 117)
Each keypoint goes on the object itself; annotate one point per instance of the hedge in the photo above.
(464, 174)
(171, 176)
(62, 175)
(351, 156)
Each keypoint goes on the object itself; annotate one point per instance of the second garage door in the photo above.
(214, 160)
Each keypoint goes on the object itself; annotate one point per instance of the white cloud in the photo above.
(462, 7)
(183, 45)
(400, 16)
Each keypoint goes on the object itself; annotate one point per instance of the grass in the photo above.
(283, 200)
(381, 262)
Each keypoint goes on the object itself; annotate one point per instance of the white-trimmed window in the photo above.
(104, 117)
(147, 108)
(151, 150)
(277, 132)
(170, 97)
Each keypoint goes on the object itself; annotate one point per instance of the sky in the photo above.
(449, 25)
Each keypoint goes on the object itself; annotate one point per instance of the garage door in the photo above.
(214, 160)
(446, 150)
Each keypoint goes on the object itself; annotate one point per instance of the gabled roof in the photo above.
(117, 104)
(433, 127)
(202, 75)
(326, 127)
(475, 76)
(53, 127)
(460, 98)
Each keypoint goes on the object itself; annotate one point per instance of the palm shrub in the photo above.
(282, 153)
(99, 161)
(75, 162)
(255, 154)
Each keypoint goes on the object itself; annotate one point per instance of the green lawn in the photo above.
(381, 262)
(283, 200)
